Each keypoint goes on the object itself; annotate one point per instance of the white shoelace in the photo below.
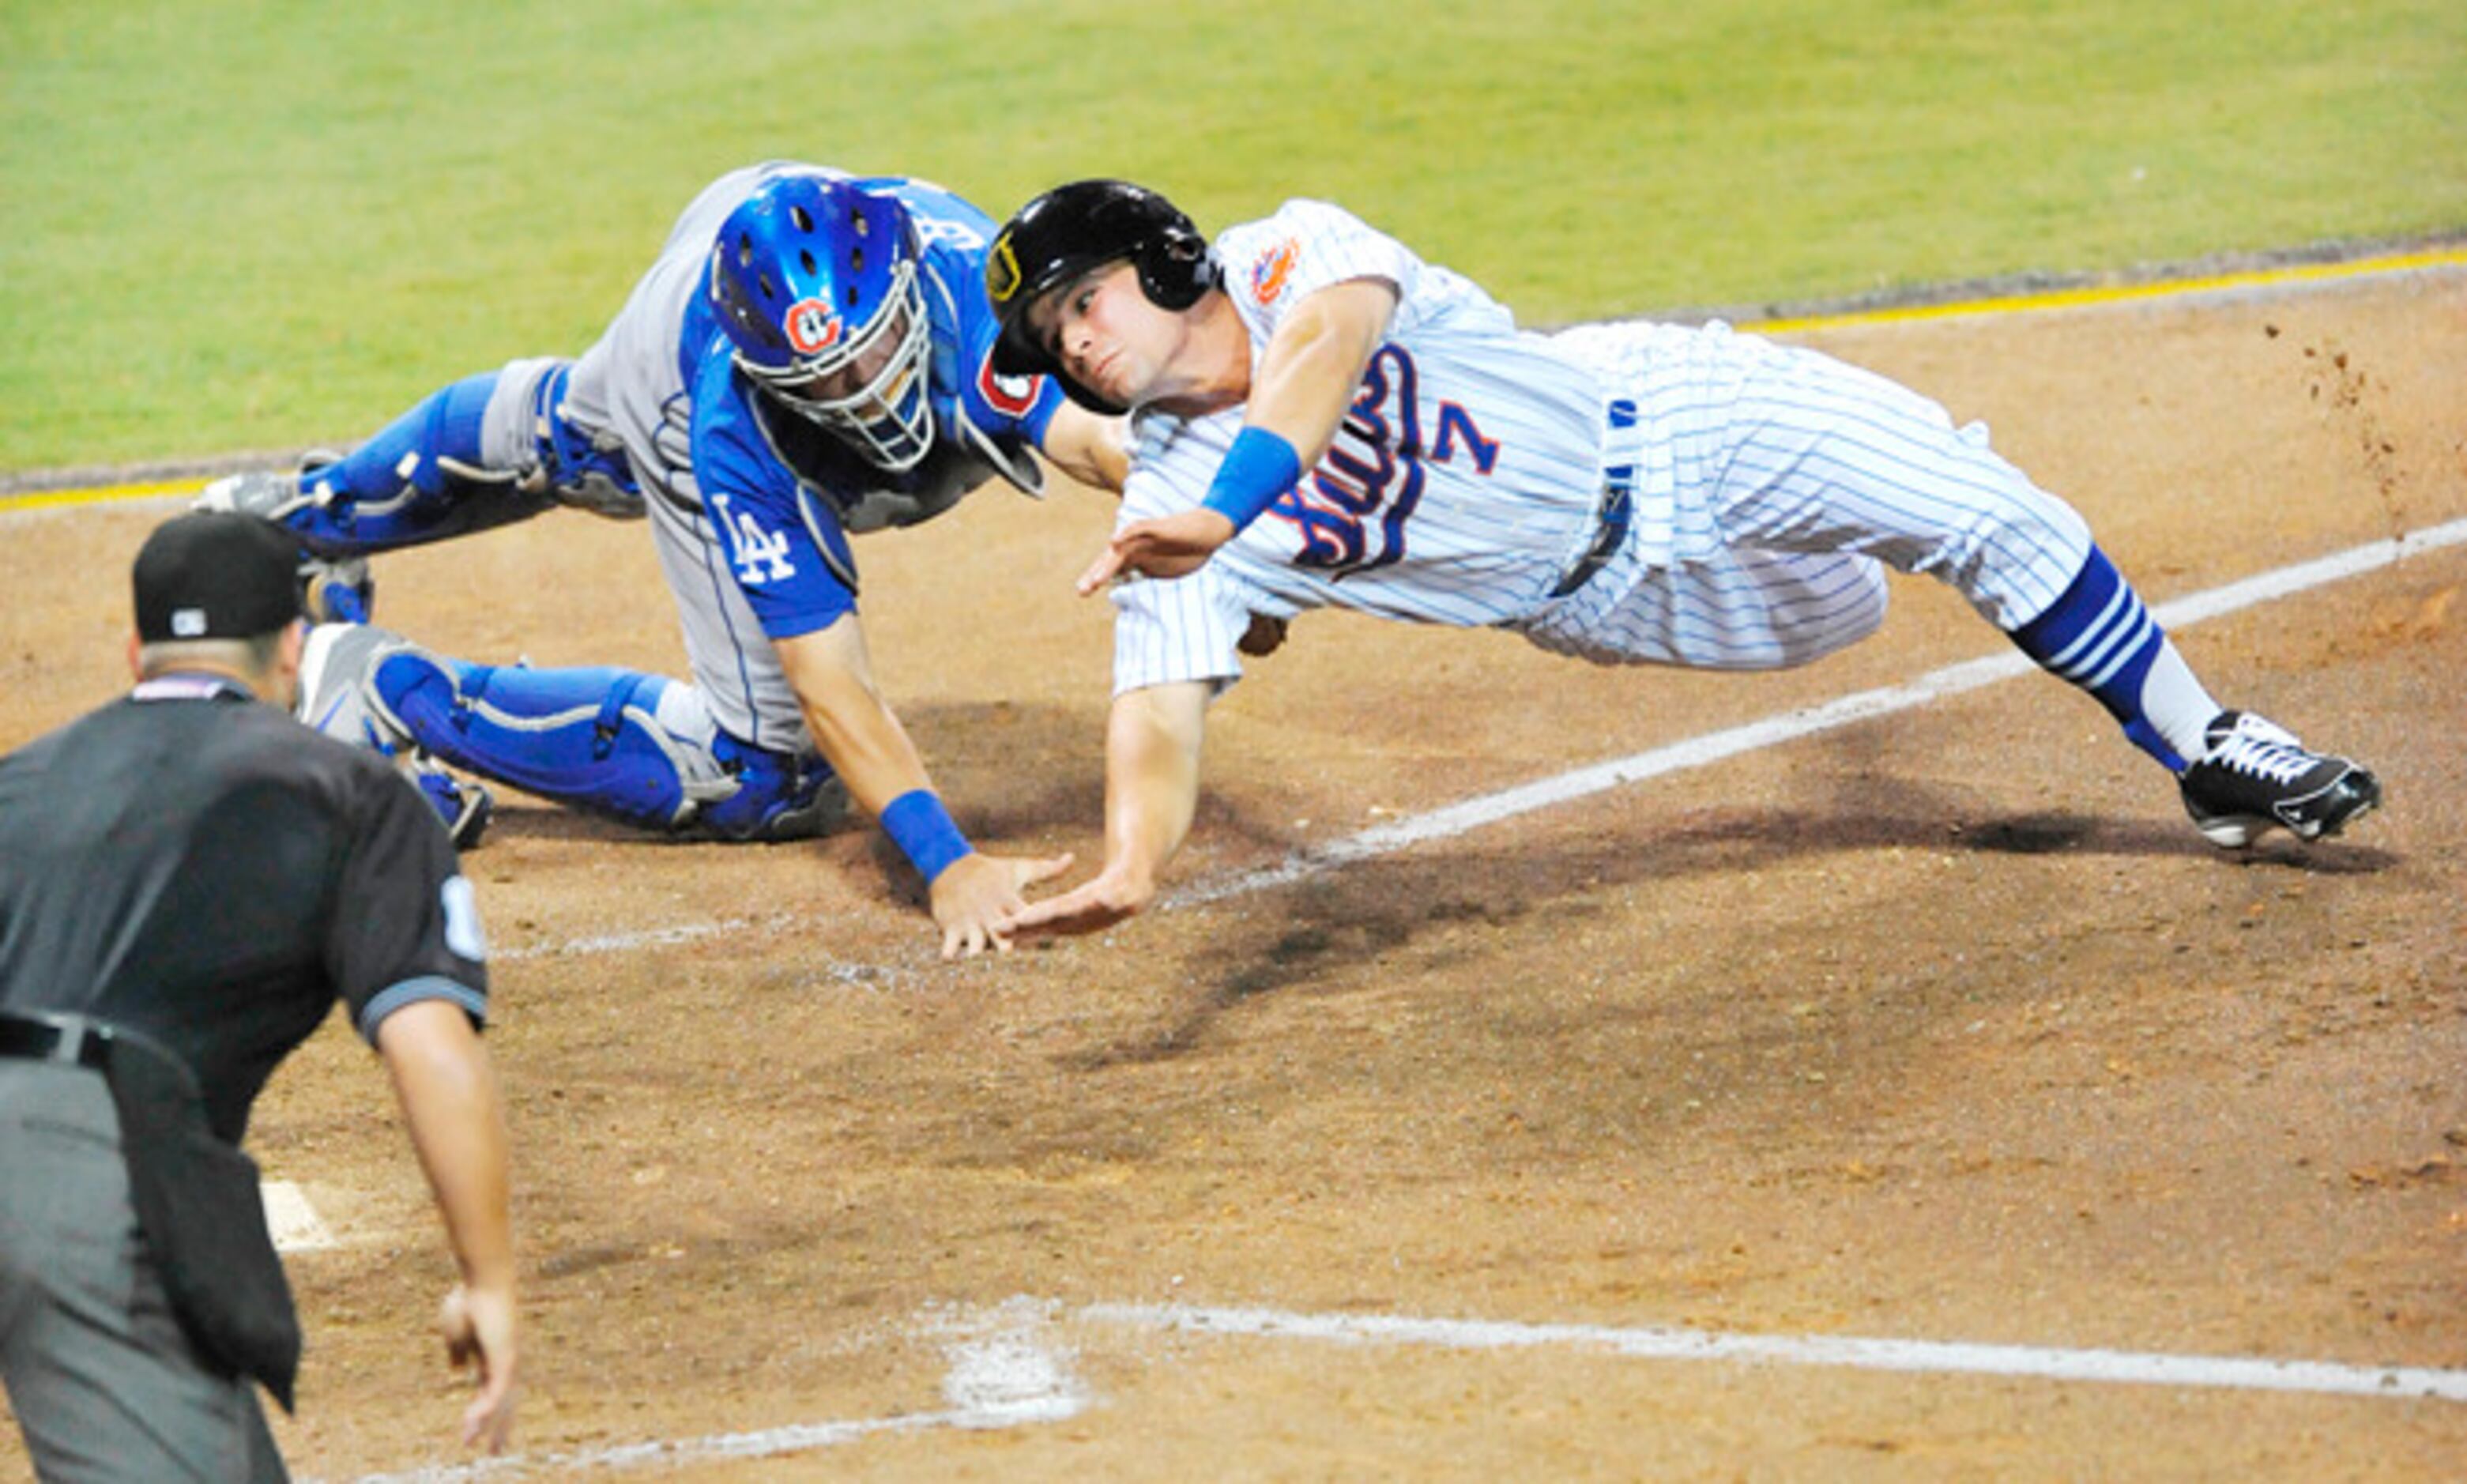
(2269, 754)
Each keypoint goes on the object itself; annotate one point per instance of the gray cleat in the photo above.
(337, 699)
(262, 493)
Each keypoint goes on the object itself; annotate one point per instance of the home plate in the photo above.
(292, 1219)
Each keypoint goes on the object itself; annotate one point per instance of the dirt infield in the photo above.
(1942, 1029)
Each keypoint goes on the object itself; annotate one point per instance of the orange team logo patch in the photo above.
(810, 325)
(1273, 269)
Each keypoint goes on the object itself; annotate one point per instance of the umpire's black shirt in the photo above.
(205, 870)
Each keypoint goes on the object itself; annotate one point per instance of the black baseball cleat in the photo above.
(2257, 777)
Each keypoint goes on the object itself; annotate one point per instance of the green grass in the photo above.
(254, 225)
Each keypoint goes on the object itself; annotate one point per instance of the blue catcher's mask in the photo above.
(815, 284)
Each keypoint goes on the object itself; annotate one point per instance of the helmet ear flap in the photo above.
(1176, 267)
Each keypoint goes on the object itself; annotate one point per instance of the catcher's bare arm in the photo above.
(1087, 447)
(832, 674)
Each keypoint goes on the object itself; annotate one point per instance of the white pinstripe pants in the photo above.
(1779, 484)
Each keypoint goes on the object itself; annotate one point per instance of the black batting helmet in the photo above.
(1071, 228)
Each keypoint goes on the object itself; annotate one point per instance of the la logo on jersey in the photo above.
(1273, 269)
(811, 326)
(761, 556)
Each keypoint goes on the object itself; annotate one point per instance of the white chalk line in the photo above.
(1007, 1371)
(1013, 1377)
(1680, 1343)
(1953, 679)
(629, 942)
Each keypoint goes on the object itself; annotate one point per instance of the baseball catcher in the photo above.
(808, 359)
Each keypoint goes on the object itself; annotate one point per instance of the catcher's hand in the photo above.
(977, 893)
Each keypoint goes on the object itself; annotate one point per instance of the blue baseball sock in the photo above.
(2099, 637)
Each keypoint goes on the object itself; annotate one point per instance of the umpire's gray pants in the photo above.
(104, 1384)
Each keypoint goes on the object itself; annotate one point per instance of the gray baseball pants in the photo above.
(104, 1384)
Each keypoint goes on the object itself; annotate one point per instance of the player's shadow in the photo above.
(1328, 922)
(521, 815)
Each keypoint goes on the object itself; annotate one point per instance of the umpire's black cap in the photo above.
(215, 574)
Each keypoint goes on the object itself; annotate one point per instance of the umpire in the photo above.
(189, 878)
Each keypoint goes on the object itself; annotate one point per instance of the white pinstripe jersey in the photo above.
(1461, 484)
(1771, 485)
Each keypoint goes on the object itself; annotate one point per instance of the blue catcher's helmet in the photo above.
(814, 281)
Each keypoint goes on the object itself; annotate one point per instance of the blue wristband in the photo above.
(1257, 468)
(918, 824)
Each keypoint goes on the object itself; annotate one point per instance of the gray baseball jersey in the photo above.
(752, 516)
(636, 383)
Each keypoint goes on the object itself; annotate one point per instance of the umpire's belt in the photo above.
(1618, 507)
(56, 1036)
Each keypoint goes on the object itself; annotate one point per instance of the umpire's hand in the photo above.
(479, 1325)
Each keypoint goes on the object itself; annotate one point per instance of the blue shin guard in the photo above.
(779, 795)
(423, 477)
(635, 746)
